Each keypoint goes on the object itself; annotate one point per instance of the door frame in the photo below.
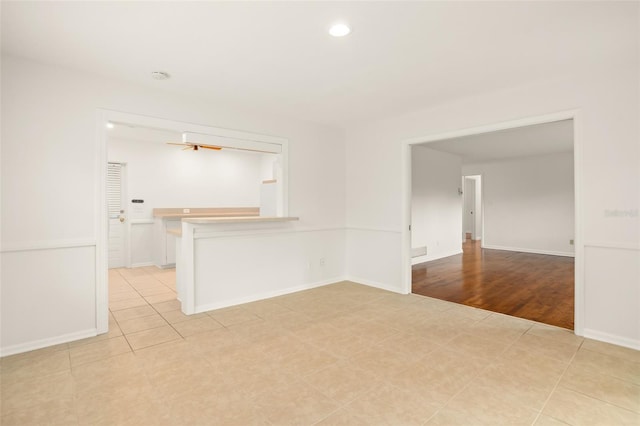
(477, 193)
(232, 139)
(576, 116)
(465, 207)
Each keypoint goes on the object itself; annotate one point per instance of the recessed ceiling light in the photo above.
(160, 75)
(339, 30)
(110, 125)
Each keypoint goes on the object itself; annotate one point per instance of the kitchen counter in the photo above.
(179, 213)
(224, 220)
(224, 261)
(238, 219)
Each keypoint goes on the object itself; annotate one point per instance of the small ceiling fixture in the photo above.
(339, 30)
(160, 75)
(110, 125)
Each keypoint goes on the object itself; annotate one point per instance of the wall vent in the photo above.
(418, 251)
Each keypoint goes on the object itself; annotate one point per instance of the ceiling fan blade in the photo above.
(195, 146)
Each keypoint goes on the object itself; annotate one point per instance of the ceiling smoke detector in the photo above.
(160, 75)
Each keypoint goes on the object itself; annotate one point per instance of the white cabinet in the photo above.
(165, 243)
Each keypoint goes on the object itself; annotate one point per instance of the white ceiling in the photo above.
(540, 139)
(278, 57)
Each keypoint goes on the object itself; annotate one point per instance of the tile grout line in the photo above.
(486, 367)
(555, 387)
(152, 307)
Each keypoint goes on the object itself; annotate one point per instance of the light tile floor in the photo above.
(344, 354)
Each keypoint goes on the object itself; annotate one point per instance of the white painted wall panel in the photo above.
(436, 205)
(528, 203)
(373, 257)
(46, 294)
(235, 269)
(141, 237)
(608, 273)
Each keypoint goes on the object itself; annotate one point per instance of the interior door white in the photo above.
(117, 215)
(469, 206)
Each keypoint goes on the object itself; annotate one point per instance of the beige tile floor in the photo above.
(343, 354)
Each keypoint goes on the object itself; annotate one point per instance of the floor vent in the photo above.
(418, 251)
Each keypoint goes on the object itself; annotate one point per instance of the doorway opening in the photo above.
(511, 188)
(472, 208)
(151, 165)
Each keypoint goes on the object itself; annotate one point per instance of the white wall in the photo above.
(165, 176)
(528, 203)
(606, 97)
(49, 191)
(477, 212)
(436, 206)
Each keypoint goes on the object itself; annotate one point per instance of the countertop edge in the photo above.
(238, 219)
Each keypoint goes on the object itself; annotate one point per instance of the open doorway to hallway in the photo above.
(521, 259)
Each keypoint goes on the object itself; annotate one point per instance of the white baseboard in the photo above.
(527, 250)
(430, 257)
(266, 295)
(141, 264)
(167, 266)
(50, 341)
(372, 283)
(612, 338)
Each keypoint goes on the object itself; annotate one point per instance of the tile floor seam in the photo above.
(123, 334)
(470, 381)
(601, 400)
(557, 384)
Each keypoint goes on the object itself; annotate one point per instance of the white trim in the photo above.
(611, 338)
(265, 295)
(141, 264)
(188, 285)
(141, 222)
(525, 250)
(101, 225)
(376, 284)
(233, 143)
(612, 245)
(574, 115)
(183, 126)
(579, 296)
(46, 245)
(357, 228)
(427, 257)
(50, 341)
(203, 232)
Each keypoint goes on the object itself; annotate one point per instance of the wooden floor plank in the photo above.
(532, 286)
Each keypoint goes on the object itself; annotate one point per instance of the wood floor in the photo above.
(532, 286)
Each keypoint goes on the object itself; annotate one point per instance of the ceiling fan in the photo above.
(189, 146)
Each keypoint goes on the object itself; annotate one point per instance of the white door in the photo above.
(469, 206)
(117, 226)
